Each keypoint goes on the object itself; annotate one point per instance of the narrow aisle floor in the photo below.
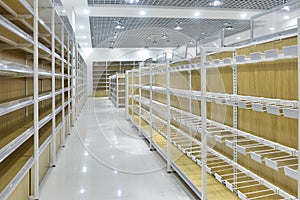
(104, 159)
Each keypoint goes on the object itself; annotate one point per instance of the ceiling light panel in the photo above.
(236, 4)
(137, 30)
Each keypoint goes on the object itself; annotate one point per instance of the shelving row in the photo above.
(102, 71)
(43, 85)
(117, 90)
(229, 113)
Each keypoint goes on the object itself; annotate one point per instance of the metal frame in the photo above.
(205, 126)
(36, 188)
(298, 177)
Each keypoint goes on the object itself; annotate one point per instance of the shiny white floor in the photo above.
(105, 159)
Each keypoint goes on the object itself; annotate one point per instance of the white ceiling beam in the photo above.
(205, 13)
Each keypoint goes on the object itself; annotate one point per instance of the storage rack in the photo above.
(43, 87)
(117, 90)
(222, 120)
(103, 70)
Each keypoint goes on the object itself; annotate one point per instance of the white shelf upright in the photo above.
(298, 178)
(69, 87)
(53, 147)
(36, 187)
(169, 161)
(63, 130)
(203, 122)
(151, 107)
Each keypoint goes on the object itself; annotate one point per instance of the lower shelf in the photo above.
(189, 171)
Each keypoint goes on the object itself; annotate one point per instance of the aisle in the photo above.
(105, 159)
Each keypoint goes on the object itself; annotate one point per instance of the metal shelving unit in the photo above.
(179, 129)
(117, 90)
(43, 87)
(103, 70)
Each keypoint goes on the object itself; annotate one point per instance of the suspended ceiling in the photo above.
(148, 32)
(94, 21)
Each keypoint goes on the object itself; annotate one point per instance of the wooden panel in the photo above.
(220, 80)
(44, 163)
(278, 44)
(22, 191)
(270, 79)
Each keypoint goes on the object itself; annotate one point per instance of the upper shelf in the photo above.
(11, 69)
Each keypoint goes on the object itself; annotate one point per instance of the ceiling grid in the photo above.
(232, 4)
(137, 30)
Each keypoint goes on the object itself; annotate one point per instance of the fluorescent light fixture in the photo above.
(177, 27)
(197, 14)
(142, 12)
(287, 8)
(164, 36)
(216, 3)
(81, 27)
(244, 15)
(286, 17)
(119, 26)
(272, 29)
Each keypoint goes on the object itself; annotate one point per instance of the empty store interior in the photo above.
(149, 99)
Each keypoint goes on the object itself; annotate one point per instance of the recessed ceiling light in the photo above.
(216, 3)
(84, 169)
(142, 12)
(86, 11)
(81, 27)
(244, 15)
(82, 191)
(238, 38)
(272, 29)
(197, 14)
(287, 17)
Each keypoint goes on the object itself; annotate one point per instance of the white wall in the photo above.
(119, 54)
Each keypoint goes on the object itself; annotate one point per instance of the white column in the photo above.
(36, 102)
